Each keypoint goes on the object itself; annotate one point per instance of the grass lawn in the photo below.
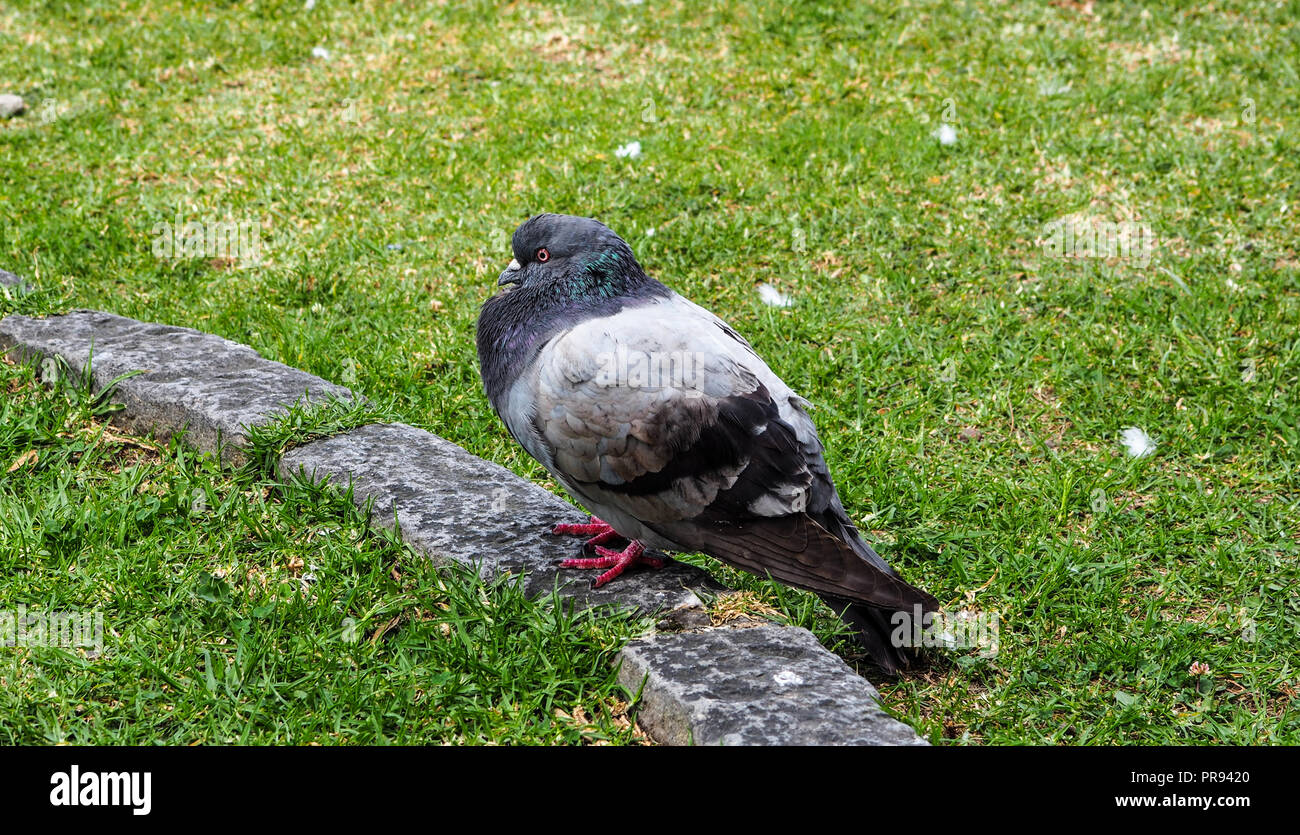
(970, 384)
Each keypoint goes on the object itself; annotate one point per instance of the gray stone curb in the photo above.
(767, 685)
(211, 387)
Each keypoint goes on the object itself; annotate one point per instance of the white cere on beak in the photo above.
(508, 276)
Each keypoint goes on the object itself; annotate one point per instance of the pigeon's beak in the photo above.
(511, 275)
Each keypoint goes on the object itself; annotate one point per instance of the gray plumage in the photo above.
(664, 422)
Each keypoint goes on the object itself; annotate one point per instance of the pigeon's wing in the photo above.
(665, 414)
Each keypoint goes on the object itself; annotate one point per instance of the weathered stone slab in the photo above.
(770, 685)
(211, 387)
(457, 507)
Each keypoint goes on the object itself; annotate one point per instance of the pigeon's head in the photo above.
(572, 257)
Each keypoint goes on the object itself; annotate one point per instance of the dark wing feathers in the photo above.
(712, 437)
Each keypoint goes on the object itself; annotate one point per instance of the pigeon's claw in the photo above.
(599, 530)
(616, 561)
(589, 547)
(597, 527)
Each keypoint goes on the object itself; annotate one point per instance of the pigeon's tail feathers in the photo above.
(887, 632)
(826, 555)
(840, 525)
(842, 569)
(798, 550)
(886, 638)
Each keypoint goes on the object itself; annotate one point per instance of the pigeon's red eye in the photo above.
(543, 255)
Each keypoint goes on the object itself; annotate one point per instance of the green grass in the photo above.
(970, 389)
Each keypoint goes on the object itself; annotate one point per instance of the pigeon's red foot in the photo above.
(616, 561)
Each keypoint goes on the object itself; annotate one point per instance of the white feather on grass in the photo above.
(1137, 442)
(773, 297)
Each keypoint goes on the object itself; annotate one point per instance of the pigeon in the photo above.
(665, 424)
